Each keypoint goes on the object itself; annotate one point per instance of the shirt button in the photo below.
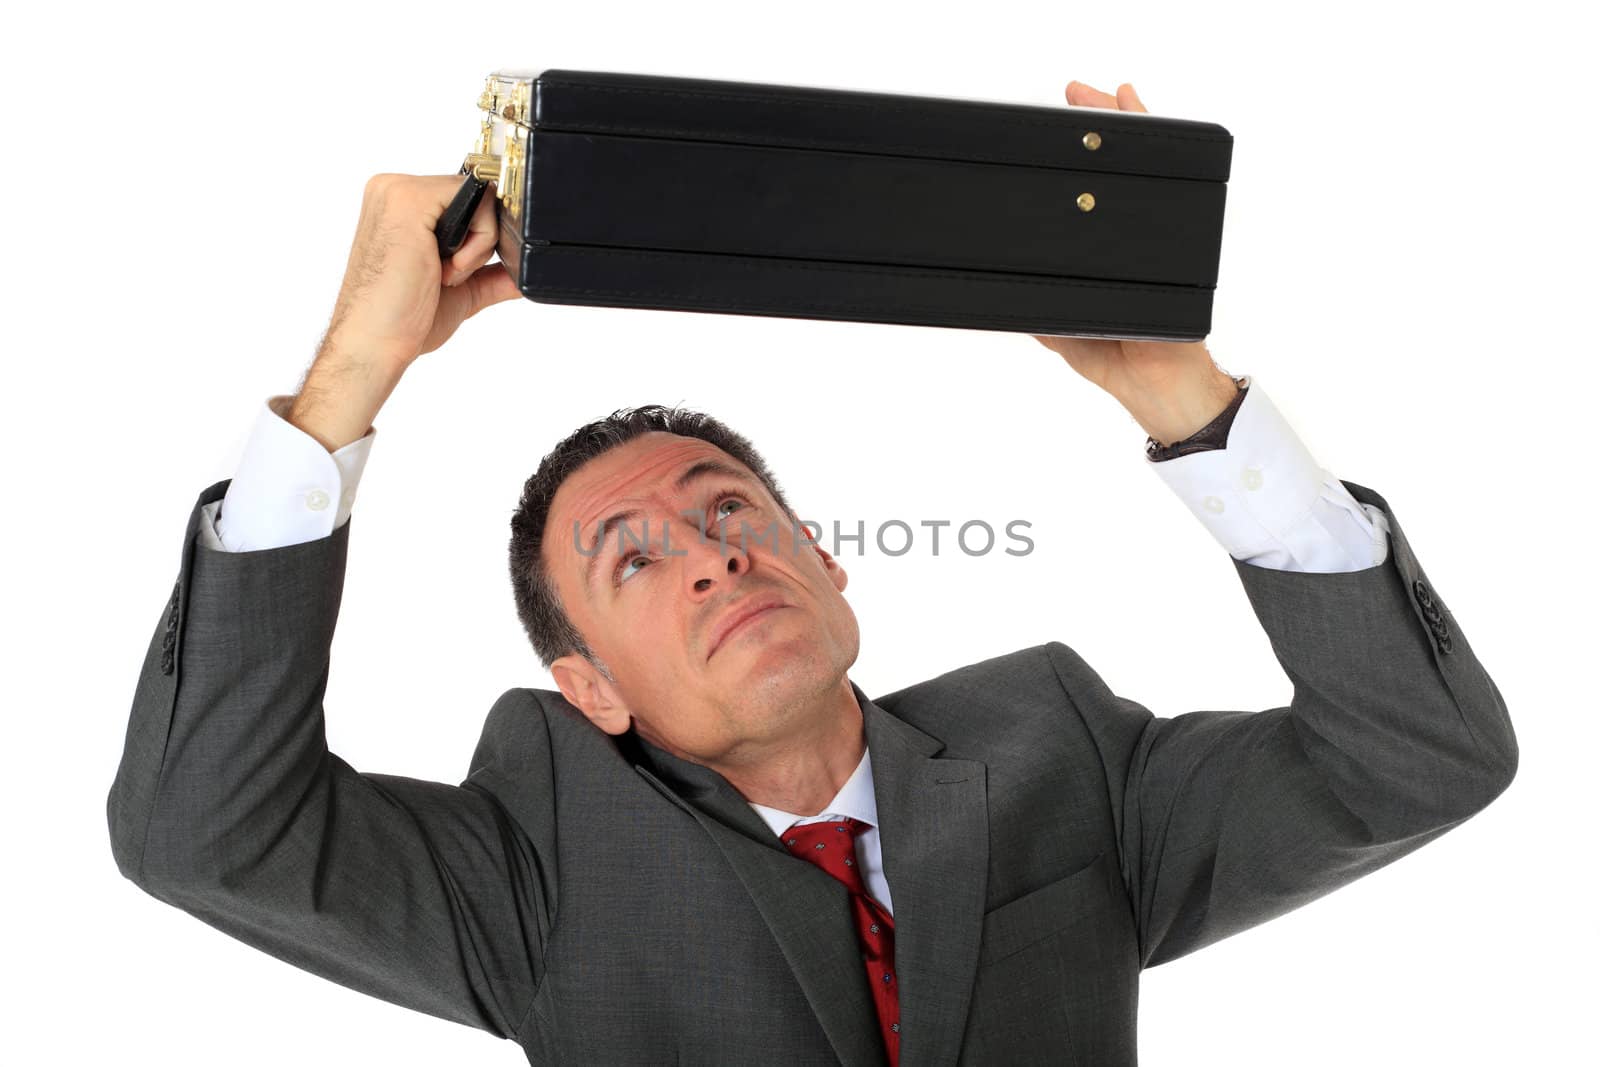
(1213, 504)
(316, 500)
(1251, 478)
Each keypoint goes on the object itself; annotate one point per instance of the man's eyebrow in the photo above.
(705, 468)
(708, 467)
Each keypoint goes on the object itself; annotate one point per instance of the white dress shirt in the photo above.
(854, 800)
(1262, 497)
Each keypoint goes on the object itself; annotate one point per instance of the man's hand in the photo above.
(398, 301)
(1171, 388)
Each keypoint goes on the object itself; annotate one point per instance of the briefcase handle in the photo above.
(480, 170)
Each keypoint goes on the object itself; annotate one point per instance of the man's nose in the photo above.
(711, 559)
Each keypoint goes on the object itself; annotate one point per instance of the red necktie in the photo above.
(832, 846)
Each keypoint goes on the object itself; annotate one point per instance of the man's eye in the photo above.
(624, 570)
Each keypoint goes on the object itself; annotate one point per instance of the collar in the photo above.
(854, 800)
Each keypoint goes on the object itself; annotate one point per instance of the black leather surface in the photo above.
(688, 194)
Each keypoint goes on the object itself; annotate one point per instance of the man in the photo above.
(712, 847)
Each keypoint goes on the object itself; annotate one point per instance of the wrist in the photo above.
(1179, 414)
(340, 398)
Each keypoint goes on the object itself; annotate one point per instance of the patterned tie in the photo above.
(832, 846)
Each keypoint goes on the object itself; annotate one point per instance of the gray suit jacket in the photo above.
(599, 900)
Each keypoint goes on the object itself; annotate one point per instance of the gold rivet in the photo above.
(509, 112)
(1091, 140)
(1085, 201)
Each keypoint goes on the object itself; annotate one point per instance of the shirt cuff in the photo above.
(289, 488)
(1266, 501)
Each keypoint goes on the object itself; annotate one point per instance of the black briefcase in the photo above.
(685, 194)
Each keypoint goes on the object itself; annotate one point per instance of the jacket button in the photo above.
(1445, 644)
(1420, 588)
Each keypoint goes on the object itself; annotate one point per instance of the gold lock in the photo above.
(508, 95)
(501, 149)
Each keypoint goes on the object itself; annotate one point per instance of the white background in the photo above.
(1408, 269)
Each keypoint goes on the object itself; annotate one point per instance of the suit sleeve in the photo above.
(1394, 734)
(228, 804)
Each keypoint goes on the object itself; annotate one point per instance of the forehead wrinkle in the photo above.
(698, 471)
(709, 467)
(665, 458)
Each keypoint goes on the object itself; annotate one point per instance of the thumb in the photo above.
(491, 284)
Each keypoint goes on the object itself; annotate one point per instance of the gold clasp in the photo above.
(486, 167)
(500, 152)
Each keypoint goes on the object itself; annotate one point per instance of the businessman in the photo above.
(710, 846)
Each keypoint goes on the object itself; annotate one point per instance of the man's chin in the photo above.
(781, 669)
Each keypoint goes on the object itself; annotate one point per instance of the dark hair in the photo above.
(538, 604)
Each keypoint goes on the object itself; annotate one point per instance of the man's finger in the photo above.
(1129, 100)
(473, 253)
(491, 284)
(1126, 99)
(1081, 95)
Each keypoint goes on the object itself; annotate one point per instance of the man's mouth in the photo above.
(748, 611)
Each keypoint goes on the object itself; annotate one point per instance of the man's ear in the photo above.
(591, 693)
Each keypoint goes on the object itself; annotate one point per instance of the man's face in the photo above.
(660, 620)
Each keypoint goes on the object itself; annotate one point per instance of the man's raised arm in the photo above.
(1395, 732)
(227, 802)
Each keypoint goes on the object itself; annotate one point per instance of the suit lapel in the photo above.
(933, 826)
(807, 909)
(933, 818)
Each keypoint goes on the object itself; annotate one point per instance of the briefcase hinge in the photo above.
(508, 97)
(511, 165)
